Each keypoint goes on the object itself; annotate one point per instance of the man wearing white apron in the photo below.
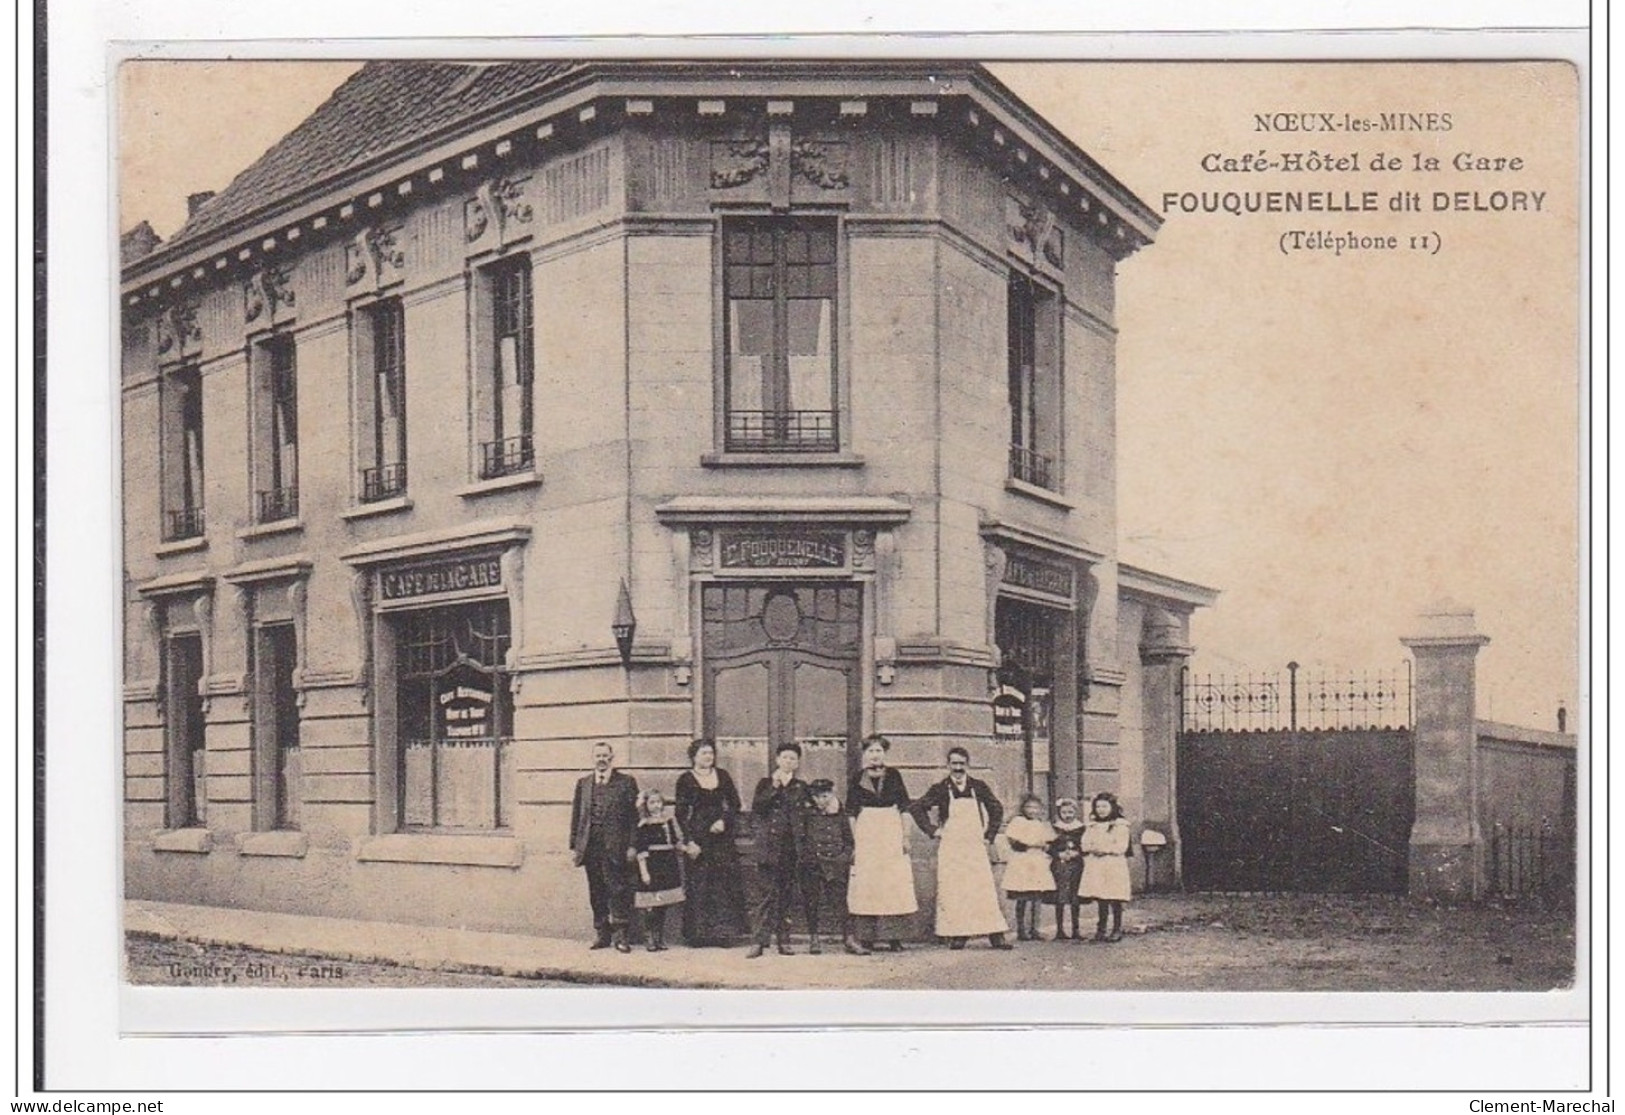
(963, 816)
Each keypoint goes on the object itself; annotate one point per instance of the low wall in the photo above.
(1525, 810)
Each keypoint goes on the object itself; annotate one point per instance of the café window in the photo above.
(380, 343)
(181, 432)
(1029, 637)
(454, 715)
(275, 411)
(504, 381)
(1035, 383)
(779, 299)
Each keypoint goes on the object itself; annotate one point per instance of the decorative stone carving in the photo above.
(1034, 232)
(372, 250)
(822, 164)
(736, 162)
(361, 600)
(178, 329)
(700, 548)
(513, 577)
(995, 560)
(270, 289)
(296, 605)
(863, 550)
(152, 618)
(476, 217)
(278, 283)
(499, 203)
(253, 297)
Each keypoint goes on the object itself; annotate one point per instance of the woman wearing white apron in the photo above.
(882, 880)
(963, 815)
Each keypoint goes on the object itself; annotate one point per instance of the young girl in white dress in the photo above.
(1027, 877)
(1105, 864)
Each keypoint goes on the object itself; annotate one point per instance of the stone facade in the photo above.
(399, 674)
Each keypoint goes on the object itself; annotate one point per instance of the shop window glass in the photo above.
(455, 716)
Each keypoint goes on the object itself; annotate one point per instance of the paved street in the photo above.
(1174, 943)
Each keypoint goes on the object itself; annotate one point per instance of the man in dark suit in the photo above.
(602, 817)
(780, 804)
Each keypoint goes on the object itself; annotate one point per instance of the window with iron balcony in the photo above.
(381, 387)
(779, 299)
(275, 412)
(504, 388)
(181, 452)
(1035, 383)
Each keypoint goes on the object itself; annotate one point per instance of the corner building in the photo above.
(503, 408)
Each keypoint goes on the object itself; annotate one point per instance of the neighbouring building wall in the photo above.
(1526, 805)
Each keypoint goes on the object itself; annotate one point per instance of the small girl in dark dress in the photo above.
(1066, 865)
(657, 844)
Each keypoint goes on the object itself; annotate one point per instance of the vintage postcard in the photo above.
(851, 523)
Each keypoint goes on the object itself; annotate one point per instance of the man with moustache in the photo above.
(602, 817)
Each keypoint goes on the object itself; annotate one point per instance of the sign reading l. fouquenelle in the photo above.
(433, 578)
(814, 549)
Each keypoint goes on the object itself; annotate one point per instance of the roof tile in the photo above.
(383, 106)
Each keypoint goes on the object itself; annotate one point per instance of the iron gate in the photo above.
(1281, 786)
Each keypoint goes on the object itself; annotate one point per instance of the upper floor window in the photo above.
(1035, 383)
(504, 391)
(181, 433)
(779, 292)
(381, 385)
(276, 431)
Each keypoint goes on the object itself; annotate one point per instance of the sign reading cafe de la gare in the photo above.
(585, 401)
(439, 577)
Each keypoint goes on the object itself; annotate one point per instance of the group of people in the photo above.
(850, 860)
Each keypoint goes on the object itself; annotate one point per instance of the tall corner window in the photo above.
(181, 431)
(505, 371)
(381, 384)
(276, 431)
(779, 295)
(1035, 383)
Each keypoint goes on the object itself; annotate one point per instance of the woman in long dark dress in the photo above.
(708, 813)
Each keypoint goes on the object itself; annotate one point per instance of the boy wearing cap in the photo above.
(826, 862)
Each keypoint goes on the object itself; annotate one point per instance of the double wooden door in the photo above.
(782, 665)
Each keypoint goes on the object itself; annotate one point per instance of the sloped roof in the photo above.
(384, 105)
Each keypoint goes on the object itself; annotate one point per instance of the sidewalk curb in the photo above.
(429, 948)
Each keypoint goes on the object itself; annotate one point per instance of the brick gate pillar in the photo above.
(1444, 838)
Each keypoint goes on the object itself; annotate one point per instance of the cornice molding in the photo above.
(602, 96)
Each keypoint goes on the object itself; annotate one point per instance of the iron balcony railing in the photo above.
(1032, 467)
(382, 482)
(783, 431)
(186, 522)
(276, 504)
(506, 456)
